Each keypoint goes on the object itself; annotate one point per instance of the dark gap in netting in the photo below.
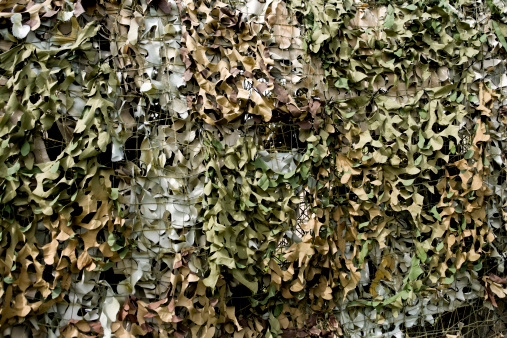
(241, 299)
(501, 178)
(77, 210)
(104, 157)
(47, 274)
(112, 278)
(54, 142)
(132, 149)
(88, 217)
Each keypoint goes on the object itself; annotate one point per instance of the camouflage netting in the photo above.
(293, 168)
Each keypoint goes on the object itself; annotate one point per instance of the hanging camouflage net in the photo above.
(253, 168)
